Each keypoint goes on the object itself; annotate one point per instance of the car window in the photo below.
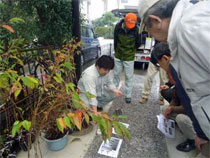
(90, 32)
(84, 32)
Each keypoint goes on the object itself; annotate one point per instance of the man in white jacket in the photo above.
(97, 80)
(186, 28)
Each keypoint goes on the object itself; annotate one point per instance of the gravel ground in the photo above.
(146, 140)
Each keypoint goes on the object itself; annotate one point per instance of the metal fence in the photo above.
(32, 67)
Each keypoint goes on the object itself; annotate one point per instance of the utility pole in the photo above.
(76, 33)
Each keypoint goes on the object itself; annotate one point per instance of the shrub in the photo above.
(106, 32)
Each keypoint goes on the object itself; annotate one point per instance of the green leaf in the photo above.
(17, 92)
(19, 60)
(71, 86)
(26, 124)
(102, 125)
(76, 101)
(75, 96)
(108, 129)
(62, 70)
(121, 129)
(68, 65)
(94, 117)
(28, 82)
(117, 129)
(71, 120)
(123, 117)
(125, 131)
(34, 80)
(16, 127)
(67, 122)
(89, 95)
(127, 134)
(78, 52)
(58, 78)
(59, 126)
(3, 80)
(17, 20)
(117, 117)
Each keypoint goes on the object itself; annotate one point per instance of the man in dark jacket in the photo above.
(126, 41)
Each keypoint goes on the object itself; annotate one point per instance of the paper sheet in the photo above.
(110, 148)
(167, 127)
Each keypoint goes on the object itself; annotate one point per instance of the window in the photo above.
(84, 31)
(87, 32)
(90, 33)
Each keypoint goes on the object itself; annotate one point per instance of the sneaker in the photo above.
(161, 101)
(128, 100)
(99, 109)
(186, 146)
(143, 100)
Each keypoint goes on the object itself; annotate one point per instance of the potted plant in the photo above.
(56, 106)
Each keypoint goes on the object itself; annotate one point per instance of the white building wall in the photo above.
(97, 7)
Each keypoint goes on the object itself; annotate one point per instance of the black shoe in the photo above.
(118, 112)
(99, 109)
(186, 146)
(128, 100)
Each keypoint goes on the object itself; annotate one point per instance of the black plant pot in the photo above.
(11, 147)
(23, 140)
(23, 144)
(4, 152)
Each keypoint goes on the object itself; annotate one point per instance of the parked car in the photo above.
(91, 48)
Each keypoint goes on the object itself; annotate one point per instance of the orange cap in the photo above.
(130, 20)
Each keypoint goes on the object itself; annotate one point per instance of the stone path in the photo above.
(146, 141)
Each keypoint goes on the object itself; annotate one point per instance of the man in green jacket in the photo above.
(126, 41)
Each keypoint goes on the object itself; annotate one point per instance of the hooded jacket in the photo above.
(189, 42)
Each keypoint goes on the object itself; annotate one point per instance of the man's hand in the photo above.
(168, 112)
(117, 92)
(163, 87)
(94, 109)
(199, 142)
